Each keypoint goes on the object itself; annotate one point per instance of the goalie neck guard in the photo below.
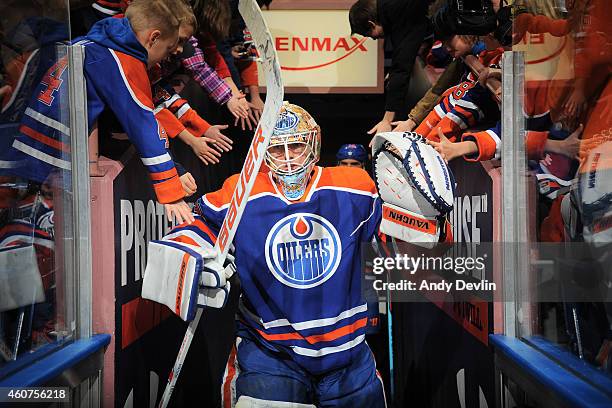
(294, 150)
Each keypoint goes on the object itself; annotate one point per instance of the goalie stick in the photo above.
(256, 24)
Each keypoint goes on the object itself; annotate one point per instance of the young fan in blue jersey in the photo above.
(117, 55)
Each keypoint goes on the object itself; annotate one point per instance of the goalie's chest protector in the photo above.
(299, 263)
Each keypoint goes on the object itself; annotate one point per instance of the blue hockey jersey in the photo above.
(34, 40)
(115, 70)
(299, 263)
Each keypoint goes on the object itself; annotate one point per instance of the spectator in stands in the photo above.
(468, 103)
(214, 19)
(352, 155)
(457, 48)
(240, 59)
(192, 57)
(404, 23)
(175, 114)
(121, 49)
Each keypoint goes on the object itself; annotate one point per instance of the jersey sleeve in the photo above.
(194, 62)
(488, 142)
(213, 57)
(175, 113)
(125, 88)
(372, 223)
(213, 206)
(248, 73)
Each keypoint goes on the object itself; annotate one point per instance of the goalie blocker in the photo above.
(416, 187)
(182, 272)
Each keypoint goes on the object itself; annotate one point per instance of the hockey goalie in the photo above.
(301, 320)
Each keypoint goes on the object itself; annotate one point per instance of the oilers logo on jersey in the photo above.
(303, 250)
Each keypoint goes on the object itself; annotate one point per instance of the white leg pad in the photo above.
(250, 402)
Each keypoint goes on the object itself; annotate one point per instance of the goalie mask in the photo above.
(416, 186)
(294, 150)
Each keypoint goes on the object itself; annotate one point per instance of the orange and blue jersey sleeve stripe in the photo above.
(534, 144)
(488, 142)
(124, 86)
(187, 118)
(172, 125)
(43, 141)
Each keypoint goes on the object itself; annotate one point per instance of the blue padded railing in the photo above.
(49, 367)
(568, 381)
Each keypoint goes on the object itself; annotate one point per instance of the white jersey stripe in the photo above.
(151, 161)
(20, 81)
(225, 206)
(52, 123)
(439, 111)
(310, 324)
(348, 190)
(29, 239)
(182, 110)
(104, 10)
(127, 84)
(457, 120)
(29, 150)
(170, 101)
(328, 350)
(470, 105)
(497, 141)
(367, 219)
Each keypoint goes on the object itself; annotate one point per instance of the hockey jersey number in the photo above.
(52, 80)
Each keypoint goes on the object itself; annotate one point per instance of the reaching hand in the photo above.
(223, 142)
(575, 104)
(404, 125)
(238, 106)
(449, 150)
(189, 184)
(4, 90)
(204, 151)
(180, 211)
(571, 145)
(382, 126)
(487, 73)
(257, 105)
(256, 109)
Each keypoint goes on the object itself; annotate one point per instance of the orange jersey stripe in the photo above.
(138, 83)
(317, 338)
(185, 240)
(181, 283)
(346, 177)
(56, 144)
(163, 175)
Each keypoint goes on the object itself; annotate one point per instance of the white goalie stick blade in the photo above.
(269, 65)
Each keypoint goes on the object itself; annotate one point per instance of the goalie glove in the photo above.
(592, 195)
(183, 276)
(415, 185)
